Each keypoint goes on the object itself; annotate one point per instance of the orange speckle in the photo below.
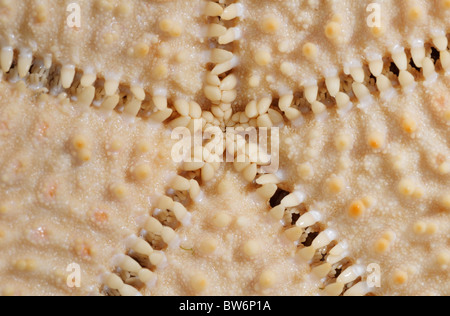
(440, 159)
(101, 216)
(48, 191)
(51, 191)
(83, 249)
(42, 129)
(4, 126)
(41, 232)
(400, 277)
(440, 100)
(39, 235)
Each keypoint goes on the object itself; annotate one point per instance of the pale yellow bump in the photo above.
(368, 201)
(444, 168)
(84, 155)
(287, 68)
(267, 279)
(243, 222)
(171, 27)
(119, 191)
(43, 98)
(109, 38)
(254, 81)
(305, 171)
(415, 13)
(309, 50)
(251, 248)
(419, 227)
(105, 5)
(447, 115)
(409, 125)
(25, 265)
(8, 291)
(419, 192)
(332, 30)
(445, 201)
(141, 50)
(335, 184)
(224, 186)
(176, 30)
(389, 236)
(262, 57)
(270, 25)
(284, 46)
(41, 13)
(400, 277)
(376, 140)
(356, 209)
(443, 259)
(208, 245)
(20, 86)
(445, 4)
(198, 282)
(377, 31)
(123, 9)
(142, 171)
(160, 71)
(221, 220)
(343, 142)
(337, 18)
(4, 208)
(406, 187)
(432, 229)
(116, 145)
(20, 265)
(143, 146)
(382, 245)
(80, 142)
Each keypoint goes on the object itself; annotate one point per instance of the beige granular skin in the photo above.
(387, 207)
(58, 208)
(118, 40)
(247, 242)
(299, 51)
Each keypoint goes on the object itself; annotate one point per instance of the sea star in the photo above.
(363, 114)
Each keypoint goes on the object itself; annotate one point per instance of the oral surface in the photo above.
(87, 177)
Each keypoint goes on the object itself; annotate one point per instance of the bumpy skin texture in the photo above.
(76, 182)
(60, 209)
